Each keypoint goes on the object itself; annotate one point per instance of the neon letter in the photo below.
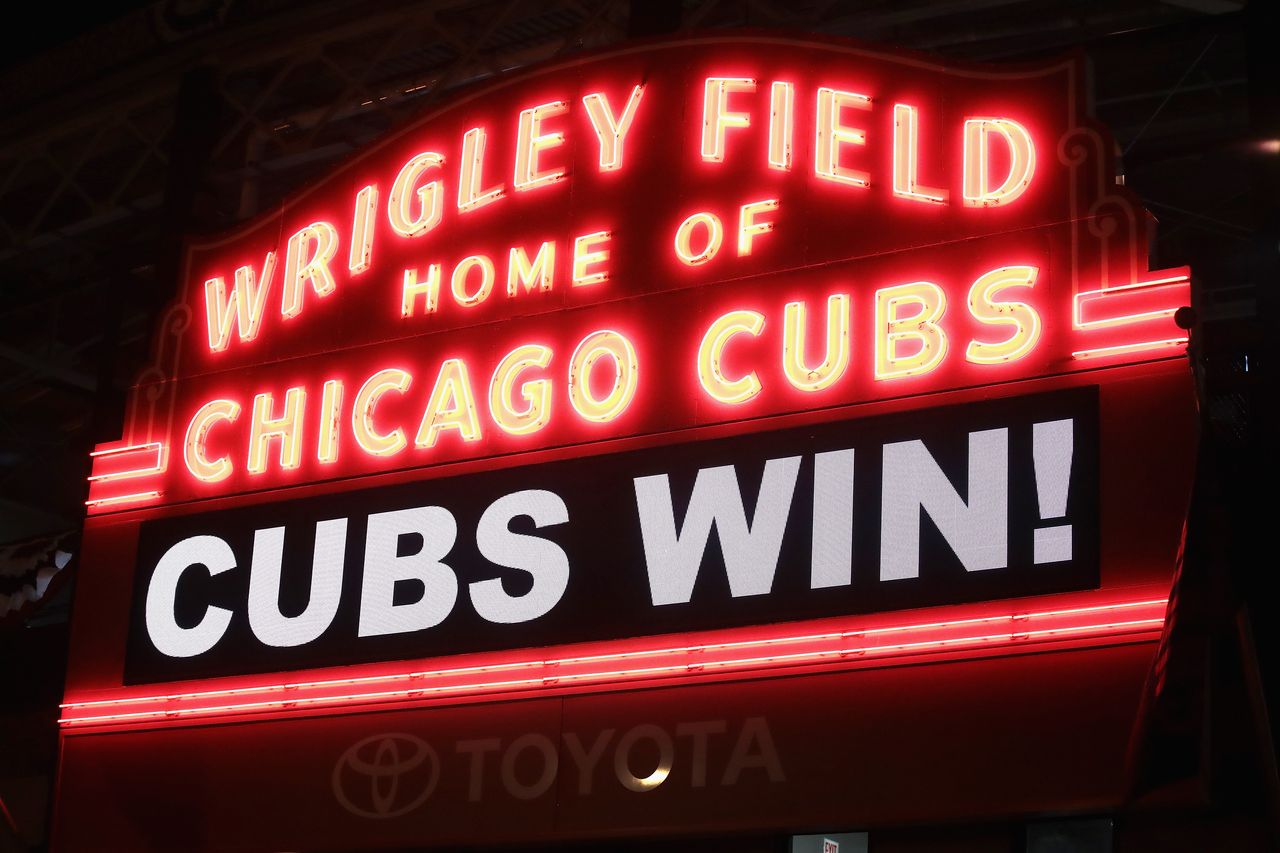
(609, 130)
(367, 437)
(531, 141)
(536, 393)
(1022, 161)
(585, 254)
(459, 280)
(906, 158)
(361, 254)
(452, 406)
(782, 111)
(595, 346)
(202, 468)
(470, 196)
(716, 115)
(892, 328)
(985, 309)
(748, 228)
(317, 243)
(538, 272)
(684, 238)
(414, 288)
(263, 428)
(831, 135)
(244, 306)
(400, 204)
(793, 345)
(714, 382)
(330, 411)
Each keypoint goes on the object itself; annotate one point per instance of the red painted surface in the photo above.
(971, 740)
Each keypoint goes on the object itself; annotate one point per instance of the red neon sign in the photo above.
(838, 643)
(686, 234)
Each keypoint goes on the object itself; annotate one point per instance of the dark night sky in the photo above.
(46, 25)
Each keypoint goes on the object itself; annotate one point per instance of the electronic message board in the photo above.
(841, 517)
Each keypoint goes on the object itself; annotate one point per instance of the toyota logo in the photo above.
(386, 775)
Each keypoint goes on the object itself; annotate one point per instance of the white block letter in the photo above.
(383, 568)
(166, 634)
(750, 552)
(976, 530)
(539, 557)
(832, 561)
(271, 626)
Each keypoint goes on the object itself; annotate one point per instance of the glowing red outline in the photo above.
(696, 662)
(119, 499)
(1125, 349)
(157, 468)
(1077, 303)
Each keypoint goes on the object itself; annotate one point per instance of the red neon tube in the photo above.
(849, 643)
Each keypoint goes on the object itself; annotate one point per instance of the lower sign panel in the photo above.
(944, 743)
(981, 501)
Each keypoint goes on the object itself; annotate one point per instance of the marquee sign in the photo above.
(689, 337)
